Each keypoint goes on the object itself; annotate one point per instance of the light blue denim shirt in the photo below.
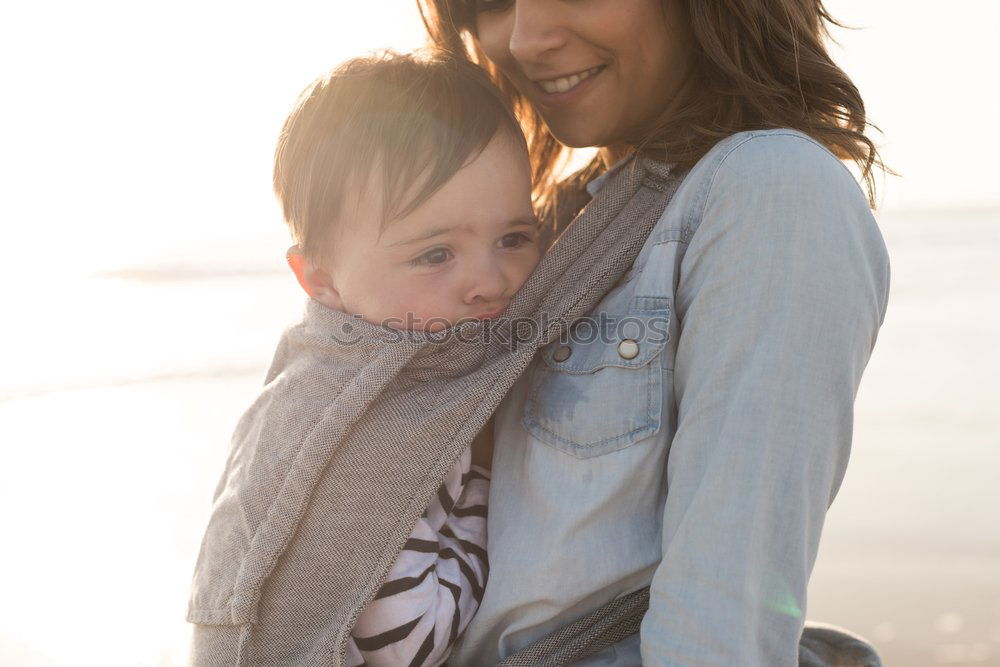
(701, 462)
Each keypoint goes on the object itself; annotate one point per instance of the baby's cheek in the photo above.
(528, 267)
(436, 319)
(419, 310)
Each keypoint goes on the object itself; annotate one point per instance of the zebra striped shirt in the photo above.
(436, 584)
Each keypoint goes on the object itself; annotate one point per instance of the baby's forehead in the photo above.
(490, 187)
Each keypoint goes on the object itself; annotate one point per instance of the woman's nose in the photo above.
(536, 30)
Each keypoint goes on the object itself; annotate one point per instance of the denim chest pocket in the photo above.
(601, 389)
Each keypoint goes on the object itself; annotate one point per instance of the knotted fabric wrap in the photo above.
(821, 645)
(357, 426)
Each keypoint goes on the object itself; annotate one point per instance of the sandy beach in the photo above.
(117, 405)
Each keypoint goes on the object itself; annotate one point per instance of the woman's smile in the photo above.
(567, 83)
(563, 94)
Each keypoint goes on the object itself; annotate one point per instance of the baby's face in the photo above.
(462, 254)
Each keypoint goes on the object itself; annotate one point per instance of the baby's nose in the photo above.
(489, 285)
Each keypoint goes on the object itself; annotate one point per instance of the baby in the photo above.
(406, 185)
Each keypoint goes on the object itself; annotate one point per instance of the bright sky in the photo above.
(135, 131)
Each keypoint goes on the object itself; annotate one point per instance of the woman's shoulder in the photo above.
(783, 140)
(760, 157)
(771, 192)
(762, 166)
(778, 177)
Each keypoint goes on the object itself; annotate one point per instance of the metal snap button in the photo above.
(628, 349)
(562, 353)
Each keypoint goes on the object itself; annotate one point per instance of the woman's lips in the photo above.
(552, 92)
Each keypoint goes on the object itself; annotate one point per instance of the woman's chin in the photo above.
(577, 132)
(574, 137)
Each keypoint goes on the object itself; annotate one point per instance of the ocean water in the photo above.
(120, 391)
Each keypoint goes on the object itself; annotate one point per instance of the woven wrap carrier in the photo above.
(821, 645)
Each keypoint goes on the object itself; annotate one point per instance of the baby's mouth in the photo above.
(492, 314)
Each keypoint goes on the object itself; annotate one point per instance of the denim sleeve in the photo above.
(780, 296)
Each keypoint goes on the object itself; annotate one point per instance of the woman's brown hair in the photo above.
(758, 64)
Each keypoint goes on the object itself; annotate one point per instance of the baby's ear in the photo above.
(315, 280)
(296, 261)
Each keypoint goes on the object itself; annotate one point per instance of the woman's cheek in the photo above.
(493, 38)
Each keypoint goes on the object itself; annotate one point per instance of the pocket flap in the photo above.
(603, 341)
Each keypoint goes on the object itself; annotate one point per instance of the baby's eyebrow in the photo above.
(438, 231)
(430, 233)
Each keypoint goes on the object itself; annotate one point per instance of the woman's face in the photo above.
(598, 71)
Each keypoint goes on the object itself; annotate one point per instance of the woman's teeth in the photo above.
(567, 82)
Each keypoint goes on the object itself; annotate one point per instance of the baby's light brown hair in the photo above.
(409, 121)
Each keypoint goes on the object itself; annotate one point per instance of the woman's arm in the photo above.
(780, 297)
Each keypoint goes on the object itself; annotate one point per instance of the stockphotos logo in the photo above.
(513, 332)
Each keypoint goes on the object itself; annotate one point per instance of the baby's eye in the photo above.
(432, 257)
(516, 240)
